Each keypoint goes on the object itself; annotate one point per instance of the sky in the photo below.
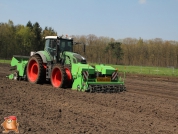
(118, 19)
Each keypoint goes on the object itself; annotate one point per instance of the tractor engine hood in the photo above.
(79, 58)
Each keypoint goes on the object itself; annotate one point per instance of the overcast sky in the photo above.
(118, 19)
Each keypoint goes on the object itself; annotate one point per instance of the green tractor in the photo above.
(58, 64)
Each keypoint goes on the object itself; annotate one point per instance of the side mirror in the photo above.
(76, 43)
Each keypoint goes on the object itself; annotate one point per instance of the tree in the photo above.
(37, 44)
(48, 32)
(24, 36)
(29, 24)
(7, 32)
(115, 50)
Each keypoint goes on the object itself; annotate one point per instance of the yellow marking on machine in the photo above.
(103, 79)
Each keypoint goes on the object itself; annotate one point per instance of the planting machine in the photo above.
(58, 64)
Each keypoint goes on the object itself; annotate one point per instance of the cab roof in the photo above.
(51, 37)
(60, 37)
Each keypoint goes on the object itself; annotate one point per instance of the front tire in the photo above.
(58, 76)
(68, 83)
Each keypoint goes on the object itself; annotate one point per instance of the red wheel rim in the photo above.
(56, 77)
(33, 71)
(69, 76)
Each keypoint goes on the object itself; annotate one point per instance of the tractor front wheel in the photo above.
(68, 83)
(35, 70)
(58, 76)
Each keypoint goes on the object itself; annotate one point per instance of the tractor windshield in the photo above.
(66, 45)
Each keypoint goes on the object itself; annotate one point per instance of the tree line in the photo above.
(130, 51)
(21, 40)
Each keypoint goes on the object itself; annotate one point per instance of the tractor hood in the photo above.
(79, 58)
(74, 58)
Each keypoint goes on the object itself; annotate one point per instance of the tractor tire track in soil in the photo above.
(149, 106)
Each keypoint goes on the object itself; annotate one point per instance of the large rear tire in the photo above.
(35, 70)
(58, 76)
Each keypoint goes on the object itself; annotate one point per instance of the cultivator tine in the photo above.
(106, 88)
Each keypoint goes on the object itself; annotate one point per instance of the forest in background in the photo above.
(21, 40)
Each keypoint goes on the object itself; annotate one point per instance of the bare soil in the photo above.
(149, 106)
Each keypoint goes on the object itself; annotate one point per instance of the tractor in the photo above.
(64, 68)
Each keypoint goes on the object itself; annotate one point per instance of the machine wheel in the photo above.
(68, 82)
(16, 75)
(58, 76)
(35, 70)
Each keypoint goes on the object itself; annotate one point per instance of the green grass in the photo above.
(5, 61)
(145, 70)
(161, 71)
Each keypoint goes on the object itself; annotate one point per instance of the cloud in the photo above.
(142, 1)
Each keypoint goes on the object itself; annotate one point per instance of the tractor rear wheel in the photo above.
(58, 76)
(35, 70)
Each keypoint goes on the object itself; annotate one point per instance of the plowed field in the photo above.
(149, 106)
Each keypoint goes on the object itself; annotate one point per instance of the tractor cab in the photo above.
(60, 50)
(55, 45)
